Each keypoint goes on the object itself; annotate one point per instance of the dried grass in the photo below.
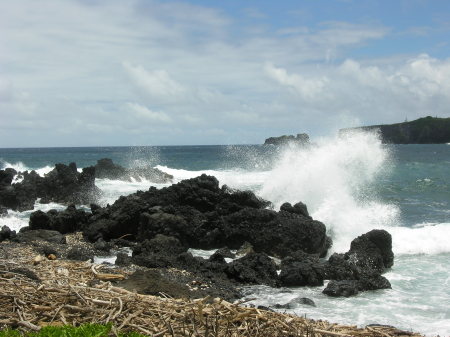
(78, 292)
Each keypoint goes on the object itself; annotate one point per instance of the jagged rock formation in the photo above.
(105, 168)
(64, 184)
(197, 213)
(426, 130)
(301, 139)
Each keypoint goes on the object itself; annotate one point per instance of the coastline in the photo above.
(41, 292)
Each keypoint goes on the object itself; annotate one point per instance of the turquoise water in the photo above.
(352, 185)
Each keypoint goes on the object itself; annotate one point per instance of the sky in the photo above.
(204, 72)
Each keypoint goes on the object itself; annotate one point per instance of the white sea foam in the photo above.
(336, 180)
(19, 166)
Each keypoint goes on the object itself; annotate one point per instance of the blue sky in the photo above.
(99, 73)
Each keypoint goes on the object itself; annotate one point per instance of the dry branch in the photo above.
(74, 293)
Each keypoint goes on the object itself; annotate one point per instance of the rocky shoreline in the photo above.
(161, 225)
(284, 248)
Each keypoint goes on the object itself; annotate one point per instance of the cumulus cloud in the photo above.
(308, 88)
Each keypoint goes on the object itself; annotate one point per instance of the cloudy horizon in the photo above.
(120, 73)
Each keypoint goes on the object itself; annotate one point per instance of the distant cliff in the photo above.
(302, 138)
(426, 130)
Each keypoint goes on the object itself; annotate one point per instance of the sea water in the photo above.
(352, 185)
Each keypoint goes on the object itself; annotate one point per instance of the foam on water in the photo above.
(336, 179)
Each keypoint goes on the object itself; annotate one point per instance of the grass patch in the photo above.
(84, 330)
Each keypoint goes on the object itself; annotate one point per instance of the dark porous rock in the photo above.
(277, 234)
(18, 196)
(366, 254)
(151, 282)
(339, 267)
(6, 233)
(295, 303)
(217, 258)
(301, 269)
(99, 229)
(161, 251)
(225, 252)
(106, 169)
(253, 268)
(123, 259)
(3, 212)
(64, 184)
(26, 272)
(299, 208)
(367, 280)
(371, 280)
(102, 245)
(344, 288)
(48, 250)
(162, 223)
(383, 240)
(300, 301)
(67, 221)
(201, 215)
(29, 236)
(79, 253)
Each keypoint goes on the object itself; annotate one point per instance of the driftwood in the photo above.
(76, 293)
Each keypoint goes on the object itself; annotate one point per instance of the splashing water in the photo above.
(336, 179)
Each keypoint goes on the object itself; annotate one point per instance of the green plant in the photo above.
(84, 330)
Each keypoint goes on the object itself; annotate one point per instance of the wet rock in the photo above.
(301, 269)
(123, 259)
(295, 303)
(6, 233)
(225, 252)
(365, 251)
(162, 223)
(102, 245)
(299, 208)
(253, 268)
(344, 288)
(67, 221)
(79, 253)
(3, 212)
(161, 251)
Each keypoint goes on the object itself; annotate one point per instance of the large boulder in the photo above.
(204, 216)
(68, 221)
(360, 268)
(301, 269)
(253, 268)
(372, 250)
(159, 252)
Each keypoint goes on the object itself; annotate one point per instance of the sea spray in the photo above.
(336, 179)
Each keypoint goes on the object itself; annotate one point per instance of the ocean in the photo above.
(352, 185)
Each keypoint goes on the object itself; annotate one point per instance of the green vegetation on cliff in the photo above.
(426, 130)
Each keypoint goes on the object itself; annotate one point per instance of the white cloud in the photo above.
(144, 112)
(156, 85)
(114, 71)
(308, 88)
